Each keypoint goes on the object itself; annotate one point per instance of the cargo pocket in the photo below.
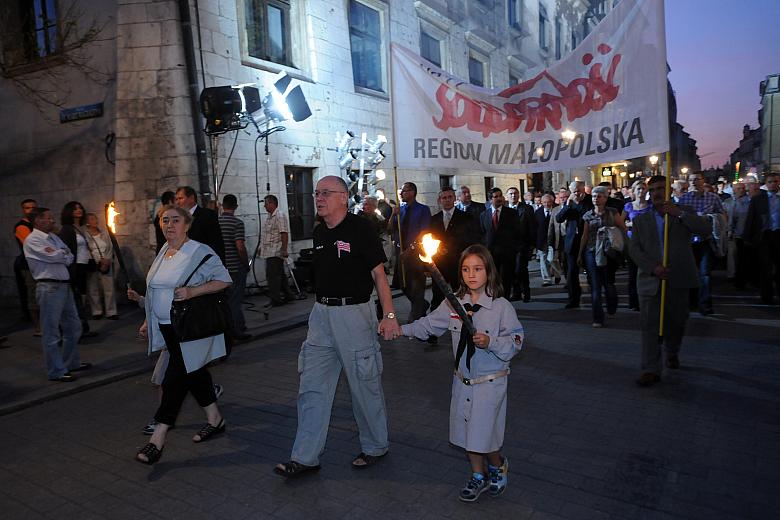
(366, 363)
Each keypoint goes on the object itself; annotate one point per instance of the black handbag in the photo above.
(202, 316)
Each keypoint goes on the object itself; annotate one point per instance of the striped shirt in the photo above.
(232, 229)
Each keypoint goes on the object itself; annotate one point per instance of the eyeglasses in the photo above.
(325, 193)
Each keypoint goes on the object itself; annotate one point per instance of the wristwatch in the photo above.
(390, 316)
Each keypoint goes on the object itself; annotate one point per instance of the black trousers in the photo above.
(278, 286)
(522, 282)
(769, 258)
(177, 382)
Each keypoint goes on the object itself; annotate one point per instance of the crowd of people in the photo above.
(484, 256)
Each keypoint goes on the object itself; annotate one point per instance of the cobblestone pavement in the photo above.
(584, 441)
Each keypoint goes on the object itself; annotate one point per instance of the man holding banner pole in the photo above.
(647, 249)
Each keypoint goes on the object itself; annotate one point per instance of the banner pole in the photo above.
(395, 170)
(665, 263)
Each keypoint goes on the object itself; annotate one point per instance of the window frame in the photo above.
(543, 20)
(297, 54)
(485, 61)
(514, 7)
(25, 57)
(558, 45)
(383, 11)
(441, 36)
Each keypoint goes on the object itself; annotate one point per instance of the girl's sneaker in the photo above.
(498, 478)
(474, 487)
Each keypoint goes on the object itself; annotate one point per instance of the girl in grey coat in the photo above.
(479, 384)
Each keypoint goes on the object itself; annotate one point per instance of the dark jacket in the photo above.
(526, 228)
(505, 239)
(462, 232)
(646, 250)
(572, 214)
(542, 228)
(475, 209)
(757, 218)
(205, 229)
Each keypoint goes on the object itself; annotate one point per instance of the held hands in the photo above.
(661, 272)
(481, 340)
(389, 329)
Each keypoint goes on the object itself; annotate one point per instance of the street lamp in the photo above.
(568, 135)
(684, 170)
(654, 162)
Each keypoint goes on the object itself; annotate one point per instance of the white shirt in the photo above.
(165, 280)
(47, 264)
(82, 249)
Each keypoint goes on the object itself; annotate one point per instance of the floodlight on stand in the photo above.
(376, 160)
(380, 193)
(380, 175)
(344, 141)
(347, 159)
(377, 144)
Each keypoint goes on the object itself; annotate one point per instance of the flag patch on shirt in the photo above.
(454, 315)
(342, 246)
(518, 339)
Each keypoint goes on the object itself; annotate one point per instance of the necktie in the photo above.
(466, 341)
(546, 213)
(495, 219)
(447, 218)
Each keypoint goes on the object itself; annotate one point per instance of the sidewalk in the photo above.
(116, 352)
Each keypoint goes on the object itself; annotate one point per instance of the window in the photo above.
(558, 50)
(268, 30)
(365, 35)
(514, 13)
(300, 201)
(430, 48)
(476, 72)
(446, 180)
(542, 27)
(573, 39)
(37, 32)
(515, 78)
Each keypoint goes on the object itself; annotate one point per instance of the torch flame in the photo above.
(430, 246)
(111, 214)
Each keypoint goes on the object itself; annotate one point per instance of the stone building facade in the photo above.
(155, 56)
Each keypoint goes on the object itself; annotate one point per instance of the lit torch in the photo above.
(431, 246)
(111, 214)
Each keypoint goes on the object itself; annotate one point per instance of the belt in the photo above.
(338, 302)
(481, 379)
(52, 280)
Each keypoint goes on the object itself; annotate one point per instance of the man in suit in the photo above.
(457, 230)
(500, 229)
(556, 234)
(542, 217)
(415, 217)
(571, 214)
(473, 208)
(681, 275)
(521, 289)
(205, 222)
(762, 230)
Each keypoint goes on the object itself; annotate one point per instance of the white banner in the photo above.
(611, 91)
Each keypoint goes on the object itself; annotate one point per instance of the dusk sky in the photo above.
(719, 51)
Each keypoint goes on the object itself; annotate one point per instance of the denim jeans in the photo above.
(703, 255)
(58, 311)
(601, 278)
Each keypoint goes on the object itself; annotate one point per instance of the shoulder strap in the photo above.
(205, 258)
(96, 244)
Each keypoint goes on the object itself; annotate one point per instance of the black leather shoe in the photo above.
(572, 306)
(83, 366)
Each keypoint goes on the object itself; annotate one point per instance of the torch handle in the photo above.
(439, 280)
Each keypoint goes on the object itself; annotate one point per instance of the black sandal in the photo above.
(294, 469)
(210, 431)
(368, 460)
(151, 452)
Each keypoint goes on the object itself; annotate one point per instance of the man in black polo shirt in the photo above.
(348, 263)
